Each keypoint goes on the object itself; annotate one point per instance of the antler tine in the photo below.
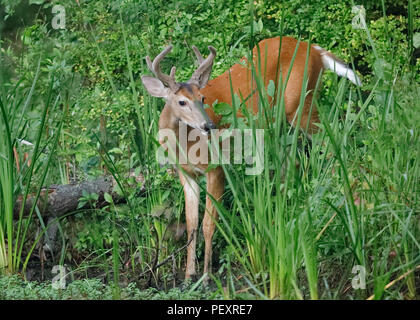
(155, 68)
(198, 55)
(201, 75)
(172, 74)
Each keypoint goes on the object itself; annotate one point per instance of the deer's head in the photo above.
(183, 98)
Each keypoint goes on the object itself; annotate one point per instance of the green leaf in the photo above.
(271, 88)
(242, 124)
(222, 108)
(108, 197)
(81, 204)
(38, 2)
(116, 151)
(260, 25)
(118, 190)
(226, 119)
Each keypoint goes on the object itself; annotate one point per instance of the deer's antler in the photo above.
(154, 66)
(201, 75)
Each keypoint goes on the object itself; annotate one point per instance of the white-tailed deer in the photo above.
(185, 106)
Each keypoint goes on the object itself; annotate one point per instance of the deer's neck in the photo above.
(169, 121)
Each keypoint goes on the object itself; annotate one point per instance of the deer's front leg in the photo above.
(192, 198)
(215, 187)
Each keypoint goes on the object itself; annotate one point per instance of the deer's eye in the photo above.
(182, 103)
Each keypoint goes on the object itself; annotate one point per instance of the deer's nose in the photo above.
(208, 126)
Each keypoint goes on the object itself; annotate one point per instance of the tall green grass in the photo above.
(280, 227)
(146, 230)
(274, 229)
(15, 103)
(352, 201)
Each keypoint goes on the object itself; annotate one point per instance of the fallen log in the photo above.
(58, 200)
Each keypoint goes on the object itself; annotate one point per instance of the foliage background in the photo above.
(151, 25)
(97, 62)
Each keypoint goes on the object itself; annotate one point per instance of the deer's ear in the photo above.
(155, 87)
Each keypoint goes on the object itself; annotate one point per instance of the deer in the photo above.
(185, 103)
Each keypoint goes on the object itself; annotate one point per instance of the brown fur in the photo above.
(219, 88)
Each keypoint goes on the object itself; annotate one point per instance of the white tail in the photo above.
(331, 62)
